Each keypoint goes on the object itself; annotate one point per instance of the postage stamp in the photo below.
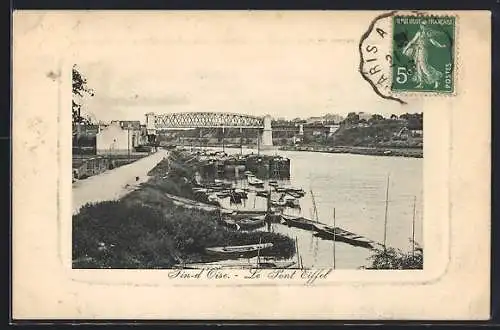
(423, 54)
(409, 52)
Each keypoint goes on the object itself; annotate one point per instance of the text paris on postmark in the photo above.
(412, 52)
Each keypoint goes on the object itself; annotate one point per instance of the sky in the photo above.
(294, 68)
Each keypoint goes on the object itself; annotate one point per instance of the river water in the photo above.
(355, 186)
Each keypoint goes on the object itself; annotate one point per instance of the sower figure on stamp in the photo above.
(417, 50)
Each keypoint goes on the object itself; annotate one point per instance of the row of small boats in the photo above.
(212, 196)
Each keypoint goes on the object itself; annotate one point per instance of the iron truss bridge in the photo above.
(207, 119)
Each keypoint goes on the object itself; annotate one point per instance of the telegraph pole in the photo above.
(334, 237)
(258, 143)
(386, 208)
(241, 141)
(413, 227)
(223, 146)
(128, 141)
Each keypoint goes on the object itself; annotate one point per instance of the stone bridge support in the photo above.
(266, 135)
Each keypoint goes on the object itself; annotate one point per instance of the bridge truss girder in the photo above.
(207, 120)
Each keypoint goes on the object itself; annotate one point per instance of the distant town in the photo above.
(331, 130)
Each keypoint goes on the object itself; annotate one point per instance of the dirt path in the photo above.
(114, 184)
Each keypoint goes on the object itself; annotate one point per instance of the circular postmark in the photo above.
(376, 57)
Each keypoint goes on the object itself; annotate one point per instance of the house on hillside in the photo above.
(405, 132)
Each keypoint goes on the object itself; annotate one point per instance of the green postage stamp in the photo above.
(423, 54)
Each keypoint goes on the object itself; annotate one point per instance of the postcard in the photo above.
(251, 165)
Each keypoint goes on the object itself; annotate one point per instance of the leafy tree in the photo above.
(80, 88)
(404, 116)
(393, 116)
(352, 118)
(375, 117)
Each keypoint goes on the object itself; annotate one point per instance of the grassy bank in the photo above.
(146, 230)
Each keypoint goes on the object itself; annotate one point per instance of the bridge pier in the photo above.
(266, 135)
(150, 123)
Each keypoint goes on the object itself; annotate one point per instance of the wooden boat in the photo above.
(294, 194)
(278, 203)
(252, 223)
(262, 193)
(223, 194)
(291, 202)
(273, 183)
(242, 250)
(240, 264)
(280, 189)
(230, 223)
(297, 191)
(298, 222)
(341, 235)
(253, 181)
(241, 193)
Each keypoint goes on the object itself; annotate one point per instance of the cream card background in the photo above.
(453, 285)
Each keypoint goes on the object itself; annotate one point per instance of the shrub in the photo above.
(391, 258)
(113, 234)
(145, 230)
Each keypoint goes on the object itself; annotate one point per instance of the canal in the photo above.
(355, 186)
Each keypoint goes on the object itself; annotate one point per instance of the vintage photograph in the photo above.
(251, 157)
(229, 158)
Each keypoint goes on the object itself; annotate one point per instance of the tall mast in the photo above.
(314, 205)
(223, 142)
(413, 227)
(297, 249)
(334, 237)
(385, 217)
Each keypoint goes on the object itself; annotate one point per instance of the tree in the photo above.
(352, 118)
(404, 116)
(393, 116)
(375, 118)
(80, 89)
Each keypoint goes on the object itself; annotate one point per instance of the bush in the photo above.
(393, 259)
(116, 235)
(146, 230)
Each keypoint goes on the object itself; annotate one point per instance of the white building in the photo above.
(117, 138)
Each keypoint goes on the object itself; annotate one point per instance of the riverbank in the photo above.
(371, 151)
(145, 229)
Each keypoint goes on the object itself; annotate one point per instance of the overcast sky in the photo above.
(294, 69)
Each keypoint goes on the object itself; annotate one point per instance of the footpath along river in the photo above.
(355, 185)
(113, 184)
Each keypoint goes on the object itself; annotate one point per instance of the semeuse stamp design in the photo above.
(423, 54)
